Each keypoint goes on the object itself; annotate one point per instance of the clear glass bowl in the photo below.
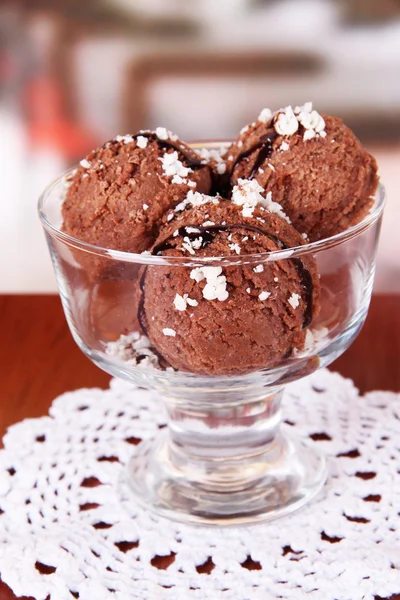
(225, 457)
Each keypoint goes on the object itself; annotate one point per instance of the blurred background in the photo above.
(74, 73)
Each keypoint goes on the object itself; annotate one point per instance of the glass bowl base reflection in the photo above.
(277, 481)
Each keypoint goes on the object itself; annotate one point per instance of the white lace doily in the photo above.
(70, 529)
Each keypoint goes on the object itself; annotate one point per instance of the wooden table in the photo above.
(40, 360)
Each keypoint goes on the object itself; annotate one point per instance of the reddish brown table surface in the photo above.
(39, 360)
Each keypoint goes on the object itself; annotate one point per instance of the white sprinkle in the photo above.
(258, 269)
(311, 120)
(215, 288)
(248, 290)
(216, 291)
(178, 179)
(248, 193)
(286, 122)
(145, 206)
(197, 274)
(333, 141)
(294, 300)
(169, 332)
(240, 144)
(195, 199)
(235, 248)
(245, 238)
(170, 216)
(142, 141)
(125, 139)
(85, 176)
(208, 223)
(212, 155)
(173, 166)
(230, 157)
(146, 252)
(221, 168)
(284, 146)
(135, 349)
(192, 184)
(265, 115)
(304, 236)
(309, 134)
(164, 134)
(271, 167)
(197, 243)
(180, 302)
(244, 129)
(192, 245)
(264, 295)
(230, 237)
(192, 230)
(260, 170)
(85, 164)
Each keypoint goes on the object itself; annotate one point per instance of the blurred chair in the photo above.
(370, 11)
(146, 69)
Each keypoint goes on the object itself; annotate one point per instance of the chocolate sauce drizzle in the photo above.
(208, 235)
(265, 146)
(189, 159)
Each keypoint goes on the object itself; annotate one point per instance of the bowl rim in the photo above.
(149, 259)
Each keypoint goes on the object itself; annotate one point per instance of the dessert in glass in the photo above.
(215, 274)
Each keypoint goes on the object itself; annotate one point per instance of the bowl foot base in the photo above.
(289, 475)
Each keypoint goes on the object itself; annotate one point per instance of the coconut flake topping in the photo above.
(124, 139)
(286, 121)
(215, 288)
(195, 199)
(169, 332)
(172, 166)
(266, 115)
(164, 134)
(264, 295)
(142, 141)
(248, 193)
(212, 155)
(294, 300)
(181, 302)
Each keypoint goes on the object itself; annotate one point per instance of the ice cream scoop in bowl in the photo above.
(224, 310)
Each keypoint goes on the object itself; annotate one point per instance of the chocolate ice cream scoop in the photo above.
(314, 166)
(120, 192)
(217, 319)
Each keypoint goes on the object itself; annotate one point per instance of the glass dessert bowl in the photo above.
(225, 457)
